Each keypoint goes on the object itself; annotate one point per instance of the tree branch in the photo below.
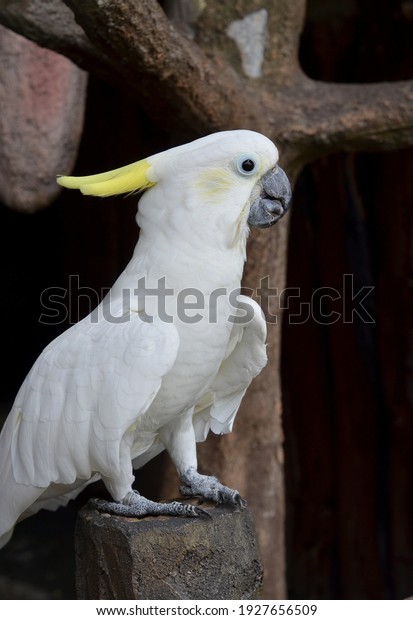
(161, 66)
(50, 24)
(285, 24)
(133, 45)
(326, 118)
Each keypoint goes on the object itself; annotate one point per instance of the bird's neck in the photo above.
(189, 262)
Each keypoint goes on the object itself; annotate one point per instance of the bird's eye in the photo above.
(246, 164)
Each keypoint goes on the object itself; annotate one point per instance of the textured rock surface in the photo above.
(167, 557)
(42, 97)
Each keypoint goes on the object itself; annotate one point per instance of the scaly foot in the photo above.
(210, 488)
(134, 505)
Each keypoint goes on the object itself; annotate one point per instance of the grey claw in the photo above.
(185, 491)
(237, 499)
(195, 511)
(221, 497)
(202, 513)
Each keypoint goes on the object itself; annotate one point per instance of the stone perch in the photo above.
(161, 558)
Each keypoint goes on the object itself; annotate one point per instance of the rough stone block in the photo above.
(161, 558)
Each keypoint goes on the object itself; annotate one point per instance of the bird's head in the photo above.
(229, 179)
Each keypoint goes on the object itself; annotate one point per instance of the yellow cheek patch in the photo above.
(212, 184)
(128, 179)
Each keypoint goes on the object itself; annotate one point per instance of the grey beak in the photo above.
(273, 201)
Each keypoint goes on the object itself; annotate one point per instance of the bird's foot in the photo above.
(134, 505)
(210, 488)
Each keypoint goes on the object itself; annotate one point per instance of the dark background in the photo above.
(347, 386)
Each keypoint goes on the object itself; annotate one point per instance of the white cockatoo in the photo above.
(168, 354)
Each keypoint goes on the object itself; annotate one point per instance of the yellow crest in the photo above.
(128, 179)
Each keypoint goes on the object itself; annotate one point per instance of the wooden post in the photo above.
(161, 558)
